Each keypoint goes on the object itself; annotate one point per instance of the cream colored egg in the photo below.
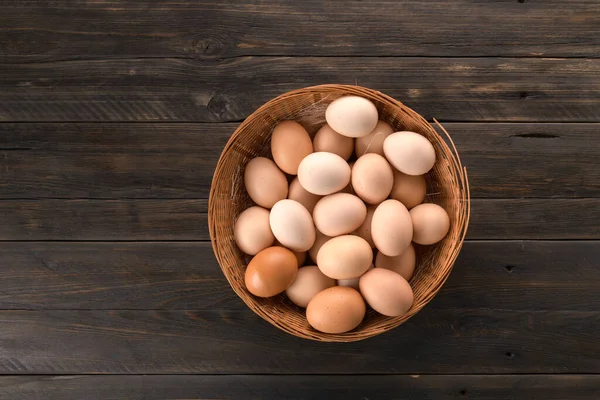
(386, 292)
(391, 228)
(319, 241)
(339, 214)
(292, 225)
(373, 142)
(352, 116)
(330, 141)
(290, 143)
(409, 152)
(323, 173)
(308, 283)
(264, 182)
(252, 232)
(404, 264)
(352, 282)
(336, 310)
(372, 178)
(409, 190)
(364, 231)
(345, 257)
(302, 196)
(430, 223)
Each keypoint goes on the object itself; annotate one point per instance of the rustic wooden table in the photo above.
(113, 115)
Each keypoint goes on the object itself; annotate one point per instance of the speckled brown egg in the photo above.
(308, 283)
(430, 223)
(252, 232)
(330, 141)
(404, 264)
(271, 271)
(336, 310)
(290, 143)
(386, 292)
(264, 182)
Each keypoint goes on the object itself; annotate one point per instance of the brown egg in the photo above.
(430, 223)
(409, 152)
(391, 228)
(323, 173)
(352, 116)
(290, 143)
(352, 282)
(330, 141)
(404, 264)
(292, 225)
(339, 214)
(271, 271)
(300, 255)
(364, 231)
(252, 232)
(373, 142)
(336, 310)
(345, 257)
(372, 178)
(319, 241)
(308, 283)
(386, 292)
(409, 190)
(298, 193)
(264, 182)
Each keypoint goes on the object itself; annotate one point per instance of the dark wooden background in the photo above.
(113, 115)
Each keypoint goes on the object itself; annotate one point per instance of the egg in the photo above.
(300, 255)
(352, 116)
(292, 225)
(298, 193)
(409, 152)
(330, 141)
(264, 182)
(373, 142)
(271, 271)
(372, 178)
(308, 283)
(319, 241)
(409, 190)
(336, 310)
(345, 257)
(430, 223)
(352, 282)
(404, 264)
(391, 228)
(386, 292)
(252, 232)
(339, 214)
(364, 231)
(323, 173)
(290, 143)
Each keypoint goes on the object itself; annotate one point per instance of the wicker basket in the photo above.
(447, 186)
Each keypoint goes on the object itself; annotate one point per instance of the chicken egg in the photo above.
(409, 190)
(323, 173)
(330, 141)
(345, 257)
(352, 116)
(404, 264)
(252, 232)
(290, 143)
(386, 292)
(391, 228)
(271, 271)
(373, 142)
(339, 214)
(336, 310)
(308, 283)
(264, 182)
(372, 178)
(298, 193)
(409, 152)
(292, 225)
(430, 223)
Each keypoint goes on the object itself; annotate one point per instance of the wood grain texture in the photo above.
(449, 89)
(415, 387)
(145, 160)
(83, 220)
(230, 342)
(507, 275)
(50, 30)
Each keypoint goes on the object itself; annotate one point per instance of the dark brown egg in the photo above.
(271, 271)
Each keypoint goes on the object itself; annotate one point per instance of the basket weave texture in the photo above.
(447, 186)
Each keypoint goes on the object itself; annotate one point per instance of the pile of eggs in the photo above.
(356, 220)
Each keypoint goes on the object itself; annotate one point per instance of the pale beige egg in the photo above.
(352, 116)
(345, 257)
(372, 178)
(373, 142)
(252, 232)
(430, 223)
(339, 214)
(391, 228)
(323, 173)
(264, 182)
(292, 225)
(386, 292)
(409, 152)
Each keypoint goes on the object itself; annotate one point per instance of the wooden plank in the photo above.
(415, 387)
(450, 89)
(145, 160)
(513, 275)
(47, 30)
(187, 219)
(239, 342)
